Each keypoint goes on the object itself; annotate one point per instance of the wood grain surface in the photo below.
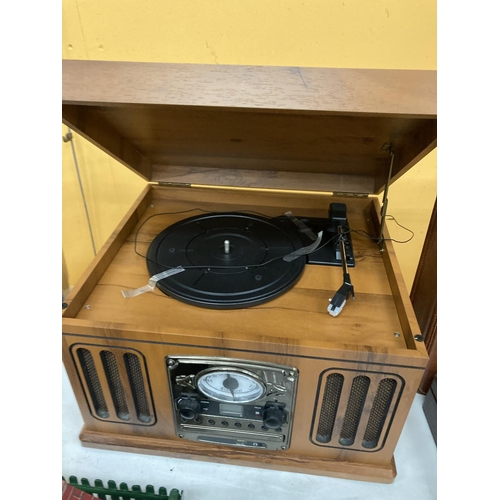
(191, 120)
(303, 453)
(298, 315)
(357, 91)
(424, 299)
(378, 473)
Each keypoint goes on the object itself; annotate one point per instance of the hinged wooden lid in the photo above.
(253, 126)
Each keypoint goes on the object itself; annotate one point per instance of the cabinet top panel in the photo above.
(157, 118)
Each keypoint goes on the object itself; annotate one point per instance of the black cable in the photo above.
(187, 211)
(403, 227)
(249, 266)
(361, 232)
(252, 266)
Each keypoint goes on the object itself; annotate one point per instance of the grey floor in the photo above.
(415, 461)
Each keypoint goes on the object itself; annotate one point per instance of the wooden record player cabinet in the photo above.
(267, 139)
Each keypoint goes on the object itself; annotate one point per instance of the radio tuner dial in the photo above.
(188, 408)
(273, 417)
(230, 385)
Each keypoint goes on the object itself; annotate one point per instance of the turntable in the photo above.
(219, 322)
(237, 260)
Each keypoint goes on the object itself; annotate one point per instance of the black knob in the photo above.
(188, 408)
(273, 417)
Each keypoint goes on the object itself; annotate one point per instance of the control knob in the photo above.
(188, 408)
(273, 416)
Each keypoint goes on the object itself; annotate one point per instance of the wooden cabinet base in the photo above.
(285, 462)
(355, 378)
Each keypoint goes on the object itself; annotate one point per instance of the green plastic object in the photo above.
(122, 492)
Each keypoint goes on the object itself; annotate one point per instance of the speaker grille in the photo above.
(355, 405)
(354, 410)
(329, 407)
(115, 381)
(115, 385)
(93, 382)
(137, 385)
(378, 415)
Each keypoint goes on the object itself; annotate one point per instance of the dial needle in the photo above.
(231, 384)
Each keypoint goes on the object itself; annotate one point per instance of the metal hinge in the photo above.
(174, 184)
(352, 195)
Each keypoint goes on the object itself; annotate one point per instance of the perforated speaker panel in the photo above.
(354, 410)
(116, 384)
(329, 407)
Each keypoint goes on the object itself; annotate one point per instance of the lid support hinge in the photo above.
(174, 184)
(383, 212)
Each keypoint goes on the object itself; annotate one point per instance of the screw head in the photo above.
(397, 334)
(419, 338)
(64, 305)
(172, 363)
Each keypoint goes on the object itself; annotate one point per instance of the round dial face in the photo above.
(230, 385)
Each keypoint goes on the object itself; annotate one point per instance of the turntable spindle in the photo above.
(227, 247)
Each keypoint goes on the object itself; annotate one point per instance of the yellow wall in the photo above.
(336, 33)
(321, 33)
(109, 189)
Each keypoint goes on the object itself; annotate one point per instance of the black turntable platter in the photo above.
(231, 260)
